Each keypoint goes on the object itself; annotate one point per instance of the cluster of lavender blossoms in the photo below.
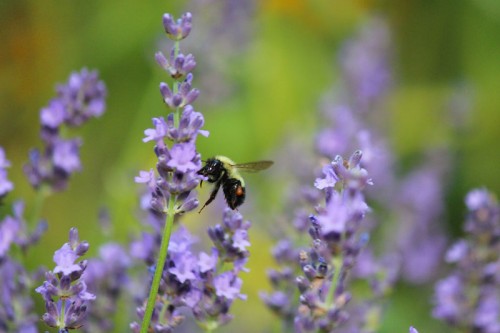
(340, 231)
(179, 162)
(64, 292)
(320, 271)
(81, 98)
(106, 276)
(325, 259)
(469, 298)
(205, 283)
(16, 306)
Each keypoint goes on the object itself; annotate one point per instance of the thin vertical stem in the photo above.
(62, 314)
(337, 264)
(41, 193)
(162, 256)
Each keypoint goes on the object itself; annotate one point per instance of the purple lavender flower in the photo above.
(468, 297)
(5, 185)
(184, 97)
(183, 278)
(106, 276)
(64, 292)
(67, 156)
(178, 165)
(178, 160)
(9, 228)
(178, 66)
(365, 65)
(16, 306)
(319, 271)
(450, 299)
(13, 230)
(228, 285)
(81, 98)
(158, 133)
(196, 282)
(177, 30)
(182, 156)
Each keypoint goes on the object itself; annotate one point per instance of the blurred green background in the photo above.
(261, 75)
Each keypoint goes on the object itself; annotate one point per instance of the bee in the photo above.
(224, 172)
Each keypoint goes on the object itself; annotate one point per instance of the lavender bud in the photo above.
(177, 30)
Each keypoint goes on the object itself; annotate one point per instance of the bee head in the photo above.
(212, 170)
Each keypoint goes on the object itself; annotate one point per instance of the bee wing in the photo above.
(253, 166)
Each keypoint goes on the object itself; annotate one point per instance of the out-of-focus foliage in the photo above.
(261, 74)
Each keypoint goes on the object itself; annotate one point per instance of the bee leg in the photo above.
(212, 195)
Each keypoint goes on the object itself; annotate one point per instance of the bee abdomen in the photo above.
(234, 192)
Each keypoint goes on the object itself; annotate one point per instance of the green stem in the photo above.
(62, 313)
(162, 256)
(337, 263)
(41, 193)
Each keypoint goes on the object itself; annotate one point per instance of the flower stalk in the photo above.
(162, 257)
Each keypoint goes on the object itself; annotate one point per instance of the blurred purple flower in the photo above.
(5, 185)
(146, 177)
(365, 64)
(228, 285)
(106, 276)
(9, 229)
(16, 305)
(181, 241)
(81, 98)
(208, 262)
(419, 207)
(240, 240)
(487, 316)
(336, 215)
(67, 155)
(185, 265)
(14, 230)
(468, 297)
(449, 299)
(53, 115)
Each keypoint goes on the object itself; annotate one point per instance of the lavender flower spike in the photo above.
(468, 298)
(81, 98)
(64, 293)
(171, 192)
